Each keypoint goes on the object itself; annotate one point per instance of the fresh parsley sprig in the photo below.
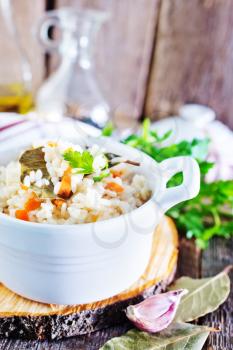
(211, 212)
(81, 162)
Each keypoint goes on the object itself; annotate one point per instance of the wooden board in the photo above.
(23, 318)
(214, 259)
(193, 57)
(123, 52)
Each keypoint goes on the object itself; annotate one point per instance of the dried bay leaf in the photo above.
(33, 159)
(205, 295)
(179, 336)
(112, 156)
(45, 192)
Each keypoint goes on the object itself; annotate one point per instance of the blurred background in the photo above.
(151, 56)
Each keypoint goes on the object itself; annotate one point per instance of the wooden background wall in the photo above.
(153, 55)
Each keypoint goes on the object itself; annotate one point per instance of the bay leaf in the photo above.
(45, 192)
(179, 336)
(33, 160)
(204, 295)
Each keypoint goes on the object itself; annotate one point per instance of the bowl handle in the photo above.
(191, 181)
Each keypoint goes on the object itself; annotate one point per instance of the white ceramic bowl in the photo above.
(73, 264)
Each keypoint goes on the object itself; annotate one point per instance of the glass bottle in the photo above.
(73, 89)
(15, 71)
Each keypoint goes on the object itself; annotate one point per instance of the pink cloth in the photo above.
(17, 131)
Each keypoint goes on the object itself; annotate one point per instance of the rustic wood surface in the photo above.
(123, 51)
(213, 260)
(149, 56)
(208, 263)
(193, 58)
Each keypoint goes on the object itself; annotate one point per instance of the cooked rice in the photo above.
(90, 201)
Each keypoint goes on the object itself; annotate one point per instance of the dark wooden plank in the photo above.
(215, 259)
(189, 259)
(193, 58)
(94, 341)
(89, 342)
(123, 51)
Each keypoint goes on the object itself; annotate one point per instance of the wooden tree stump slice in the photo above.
(26, 319)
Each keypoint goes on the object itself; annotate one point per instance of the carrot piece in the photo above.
(32, 204)
(58, 202)
(116, 173)
(22, 215)
(52, 144)
(113, 186)
(65, 189)
(94, 217)
(23, 187)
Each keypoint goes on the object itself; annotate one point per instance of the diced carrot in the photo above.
(22, 215)
(32, 204)
(65, 189)
(58, 202)
(94, 218)
(23, 187)
(113, 186)
(116, 173)
(52, 144)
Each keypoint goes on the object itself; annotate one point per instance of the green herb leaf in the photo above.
(176, 180)
(176, 337)
(82, 162)
(101, 176)
(200, 149)
(210, 213)
(205, 295)
(207, 215)
(108, 129)
(205, 167)
(146, 129)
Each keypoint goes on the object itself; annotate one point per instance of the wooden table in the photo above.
(192, 263)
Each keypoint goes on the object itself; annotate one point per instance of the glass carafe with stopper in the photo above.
(73, 89)
(15, 71)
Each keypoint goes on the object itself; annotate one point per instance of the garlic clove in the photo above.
(157, 312)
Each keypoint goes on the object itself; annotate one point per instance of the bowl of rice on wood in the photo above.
(76, 223)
